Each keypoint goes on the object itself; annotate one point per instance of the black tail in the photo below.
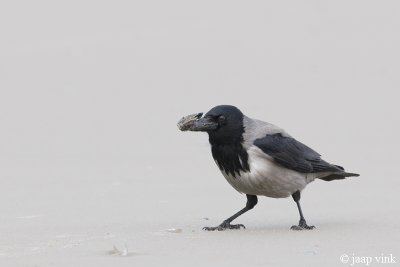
(339, 175)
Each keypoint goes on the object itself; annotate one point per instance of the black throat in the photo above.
(229, 153)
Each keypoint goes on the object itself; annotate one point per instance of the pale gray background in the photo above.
(90, 156)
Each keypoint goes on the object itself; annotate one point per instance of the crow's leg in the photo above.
(302, 223)
(251, 202)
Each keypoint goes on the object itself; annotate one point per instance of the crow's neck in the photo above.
(230, 157)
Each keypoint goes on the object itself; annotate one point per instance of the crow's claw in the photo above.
(302, 226)
(223, 226)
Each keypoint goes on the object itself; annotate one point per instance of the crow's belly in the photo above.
(268, 178)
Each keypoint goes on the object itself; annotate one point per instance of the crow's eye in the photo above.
(221, 120)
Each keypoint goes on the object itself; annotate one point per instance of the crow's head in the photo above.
(224, 124)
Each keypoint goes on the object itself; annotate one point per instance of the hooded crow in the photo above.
(260, 159)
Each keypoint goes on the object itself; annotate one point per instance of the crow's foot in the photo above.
(302, 226)
(223, 226)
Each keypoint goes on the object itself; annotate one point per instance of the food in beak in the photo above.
(187, 123)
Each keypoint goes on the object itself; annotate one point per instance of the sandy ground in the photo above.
(94, 171)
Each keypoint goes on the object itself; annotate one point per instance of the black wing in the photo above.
(294, 155)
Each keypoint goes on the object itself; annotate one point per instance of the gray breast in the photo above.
(267, 178)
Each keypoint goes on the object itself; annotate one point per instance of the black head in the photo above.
(224, 124)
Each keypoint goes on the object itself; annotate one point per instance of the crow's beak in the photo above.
(204, 124)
